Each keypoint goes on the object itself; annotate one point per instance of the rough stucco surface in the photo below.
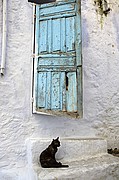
(100, 51)
(101, 65)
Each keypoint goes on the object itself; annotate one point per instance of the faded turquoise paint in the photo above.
(58, 50)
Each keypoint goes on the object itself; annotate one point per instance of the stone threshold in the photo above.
(105, 167)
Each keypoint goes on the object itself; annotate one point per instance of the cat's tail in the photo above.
(64, 166)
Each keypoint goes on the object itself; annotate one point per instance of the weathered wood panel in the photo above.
(41, 89)
(59, 58)
(72, 92)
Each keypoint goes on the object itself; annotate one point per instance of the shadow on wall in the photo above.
(85, 34)
(53, 126)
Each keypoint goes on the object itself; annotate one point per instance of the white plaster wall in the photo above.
(100, 52)
(101, 70)
(0, 30)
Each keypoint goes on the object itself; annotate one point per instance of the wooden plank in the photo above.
(79, 90)
(57, 61)
(72, 92)
(49, 43)
(58, 3)
(70, 31)
(43, 36)
(56, 35)
(78, 33)
(56, 69)
(57, 54)
(41, 89)
(48, 91)
(57, 16)
(55, 91)
(63, 35)
(57, 9)
(62, 91)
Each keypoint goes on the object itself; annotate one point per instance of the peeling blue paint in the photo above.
(58, 44)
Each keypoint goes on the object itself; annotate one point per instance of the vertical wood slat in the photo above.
(79, 90)
(62, 92)
(72, 92)
(49, 34)
(70, 40)
(43, 36)
(63, 35)
(55, 101)
(56, 34)
(48, 90)
(78, 33)
(41, 89)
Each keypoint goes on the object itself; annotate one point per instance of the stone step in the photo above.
(102, 167)
(87, 159)
(71, 149)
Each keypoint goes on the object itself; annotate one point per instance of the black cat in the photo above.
(47, 157)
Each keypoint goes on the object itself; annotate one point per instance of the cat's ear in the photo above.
(57, 138)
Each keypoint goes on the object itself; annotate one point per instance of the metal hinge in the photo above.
(32, 99)
(33, 55)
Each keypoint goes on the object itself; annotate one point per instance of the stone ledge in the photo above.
(71, 148)
(87, 159)
(104, 167)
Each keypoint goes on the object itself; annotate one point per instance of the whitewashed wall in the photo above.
(100, 51)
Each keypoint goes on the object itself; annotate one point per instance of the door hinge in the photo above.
(32, 99)
(33, 55)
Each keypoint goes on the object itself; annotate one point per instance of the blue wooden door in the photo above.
(58, 57)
